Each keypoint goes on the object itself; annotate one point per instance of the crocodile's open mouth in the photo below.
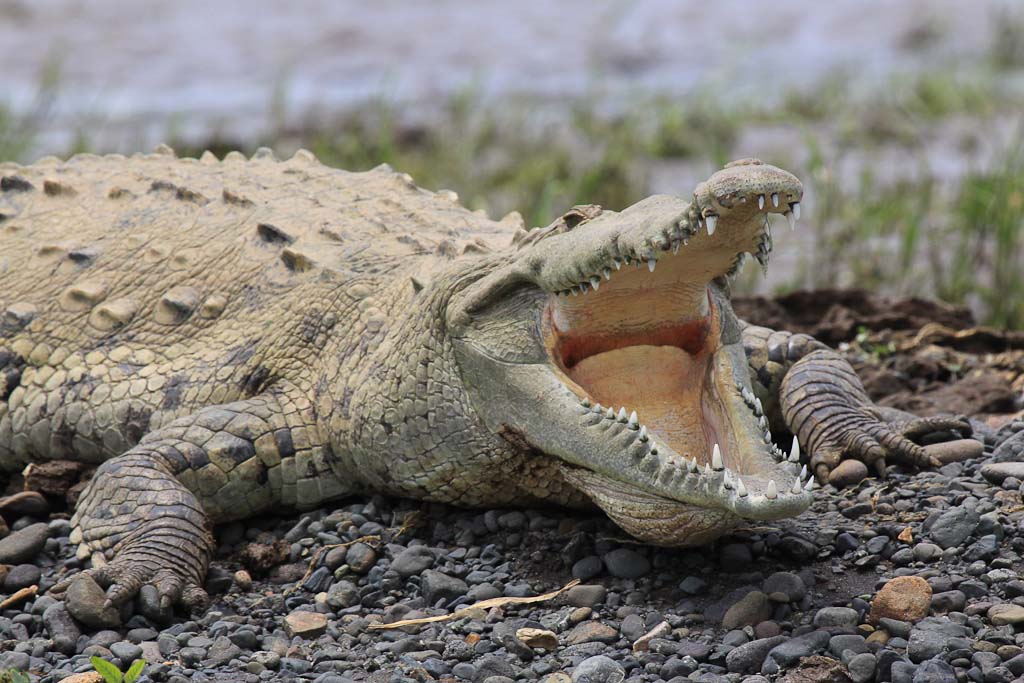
(641, 344)
(643, 392)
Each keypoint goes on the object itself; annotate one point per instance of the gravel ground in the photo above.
(755, 603)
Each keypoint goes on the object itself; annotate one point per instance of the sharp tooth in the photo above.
(796, 210)
(760, 202)
(692, 465)
(741, 490)
(757, 406)
(716, 458)
(654, 449)
(794, 451)
(675, 248)
(727, 479)
(810, 485)
(634, 423)
(573, 292)
(775, 198)
(617, 263)
(803, 472)
(598, 408)
(595, 282)
(610, 414)
(796, 486)
(585, 401)
(622, 415)
(707, 470)
(650, 264)
(771, 492)
(711, 220)
(583, 287)
(792, 220)
(763, 423)
(643, 434)
(607, 273)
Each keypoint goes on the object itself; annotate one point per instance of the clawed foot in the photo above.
(864, 435)
(150, 528)
(124, 577)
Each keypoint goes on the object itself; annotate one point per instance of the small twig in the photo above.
(18, 596)
(482, 605)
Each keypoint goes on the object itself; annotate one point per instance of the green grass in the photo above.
(963, 244)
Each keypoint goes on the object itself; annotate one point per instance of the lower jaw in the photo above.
(649, 518)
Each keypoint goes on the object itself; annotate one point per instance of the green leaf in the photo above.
(110, 673)
(134, 671)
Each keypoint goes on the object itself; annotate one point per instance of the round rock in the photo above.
(905, 598)
(848, 473)
(626, 563)
(412, 561)
(749, 610)
(85, 602)
(23, 545)
(599, 669)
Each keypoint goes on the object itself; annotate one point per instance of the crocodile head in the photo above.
(609, 344)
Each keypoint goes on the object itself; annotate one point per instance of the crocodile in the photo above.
(225, 337)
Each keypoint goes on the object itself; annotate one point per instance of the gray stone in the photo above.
(412, 561)
(836, 617)
(948, 601)
(587, 567)
(930, 636)
(790, 652)
(934, 671)
(748, 658)
(626, 563)
(862, 667)
(997, 472)
(85, 602)
(837, 645)
(62, 629)
(599, 669)
(126, 652)
(490, 665)
(342, 594)
(589, 595)
(361, 557)
(927, 552)
(1010, 449)
(222, 651)
(751, 609)
(21, 546)
(437, 586)
(787, 584)
(954, 526)
(21, 576)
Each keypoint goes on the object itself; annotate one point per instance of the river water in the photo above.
(131, 70)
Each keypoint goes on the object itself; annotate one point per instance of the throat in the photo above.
(663, 384)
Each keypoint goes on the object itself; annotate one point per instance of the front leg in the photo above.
(149, 511)
(813, 393)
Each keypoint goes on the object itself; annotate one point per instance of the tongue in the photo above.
(663, 384)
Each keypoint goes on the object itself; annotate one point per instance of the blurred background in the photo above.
(902, 118)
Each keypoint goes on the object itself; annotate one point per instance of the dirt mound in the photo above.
(922, 356)
(837, 315)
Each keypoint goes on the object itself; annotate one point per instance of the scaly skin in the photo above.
(224, 338)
